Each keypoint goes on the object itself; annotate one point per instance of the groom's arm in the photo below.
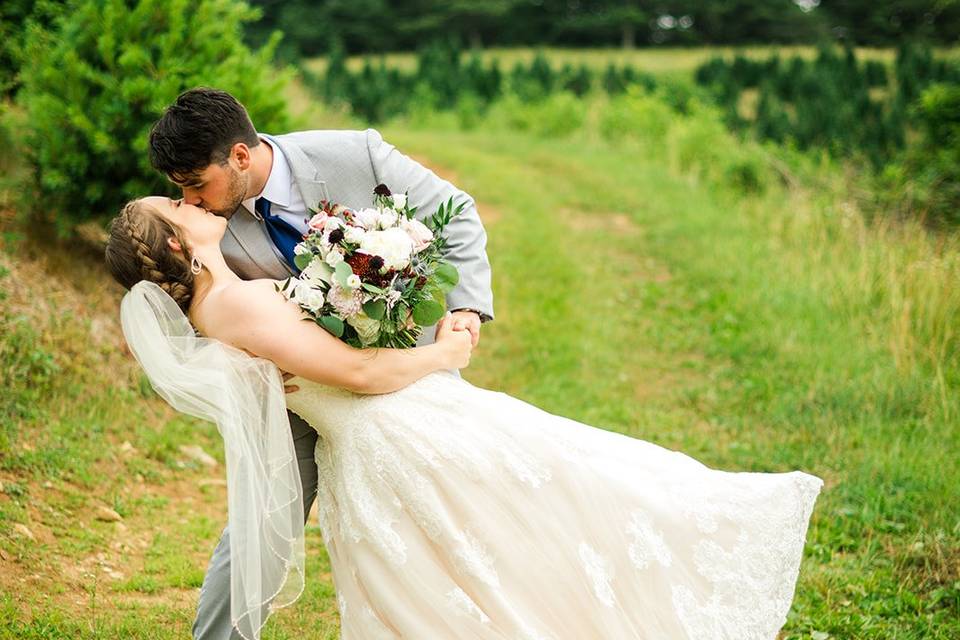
(466, 238)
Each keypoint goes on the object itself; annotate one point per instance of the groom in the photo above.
(264, 185)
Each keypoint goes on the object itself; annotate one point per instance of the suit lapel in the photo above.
(250, 235)
(305, 174)
(261, 259)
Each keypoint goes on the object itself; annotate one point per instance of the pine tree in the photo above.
(94, 85)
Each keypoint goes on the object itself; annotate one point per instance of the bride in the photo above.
(448, 511)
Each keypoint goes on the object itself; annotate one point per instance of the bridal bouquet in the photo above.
(374, 277)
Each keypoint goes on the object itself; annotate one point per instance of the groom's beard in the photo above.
(236, 194)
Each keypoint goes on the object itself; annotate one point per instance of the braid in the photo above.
(137, 250)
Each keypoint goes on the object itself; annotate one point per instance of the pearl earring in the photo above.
(195, 266)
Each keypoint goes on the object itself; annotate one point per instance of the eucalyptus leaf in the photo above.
(332, 324)
(438, 296)
(372, 288)
(375, 309)
(341, 273)
(447, 276)
(301, 260)
(427, 312)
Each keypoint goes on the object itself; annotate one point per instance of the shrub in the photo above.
(926, 182)
(636, 115)
(14, 16)
(556, 115)
(94, 84)
(700, 144)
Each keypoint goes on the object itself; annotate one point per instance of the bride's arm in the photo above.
(253, 316)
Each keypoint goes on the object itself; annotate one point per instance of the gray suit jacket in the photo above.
(346, 166)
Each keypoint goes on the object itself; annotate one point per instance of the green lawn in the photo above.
(637, 289)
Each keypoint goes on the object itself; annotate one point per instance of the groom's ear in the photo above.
(241, 154)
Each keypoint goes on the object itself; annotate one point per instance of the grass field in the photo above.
(636, 290)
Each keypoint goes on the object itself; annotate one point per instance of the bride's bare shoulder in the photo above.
(237, 303)
(245, 296)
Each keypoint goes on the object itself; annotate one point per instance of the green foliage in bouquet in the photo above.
(374, 277)
(94, 83)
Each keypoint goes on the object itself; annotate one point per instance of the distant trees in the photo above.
(834, 102)
(868, 22)
(372, 26)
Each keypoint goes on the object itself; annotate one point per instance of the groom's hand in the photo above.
(464, 320)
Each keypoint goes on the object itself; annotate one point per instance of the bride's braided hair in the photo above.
(138, 250)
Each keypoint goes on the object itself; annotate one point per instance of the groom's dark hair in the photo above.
(198, 130)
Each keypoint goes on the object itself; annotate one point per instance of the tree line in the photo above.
(375, 26)
(898, 121)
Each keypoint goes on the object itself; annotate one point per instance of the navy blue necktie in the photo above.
(283, 234)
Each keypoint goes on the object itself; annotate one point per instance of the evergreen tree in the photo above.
(94, 85)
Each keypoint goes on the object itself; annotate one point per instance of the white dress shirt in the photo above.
(280, 189)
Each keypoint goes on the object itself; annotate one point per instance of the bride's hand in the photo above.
(457, 344)
(288, 388)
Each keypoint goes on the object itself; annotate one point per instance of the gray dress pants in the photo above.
(213, 611)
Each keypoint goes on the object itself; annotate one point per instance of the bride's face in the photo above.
(198, 226)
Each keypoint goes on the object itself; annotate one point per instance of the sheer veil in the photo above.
(244, 396)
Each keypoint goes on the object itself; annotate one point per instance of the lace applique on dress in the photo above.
(529, 633)
(647, 544)
(464, 605)
(474, 560)
(753, 582)
(525, 467)
(600, 572)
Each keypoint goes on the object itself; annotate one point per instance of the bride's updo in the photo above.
(138, 250)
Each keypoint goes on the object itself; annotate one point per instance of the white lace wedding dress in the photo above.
(453, 512)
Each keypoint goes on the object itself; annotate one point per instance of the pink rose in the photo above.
(316, 222)
(418, 232)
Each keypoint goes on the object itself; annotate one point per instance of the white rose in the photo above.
(399, 200)
(301, 249)
(366, 218)
(334, 257)
(418, 232)
(309, 297)
(353, 281)
(386, 219)
(354, 234)
(317, 272)
(393, 245)
(332, 222)
(367, 328)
